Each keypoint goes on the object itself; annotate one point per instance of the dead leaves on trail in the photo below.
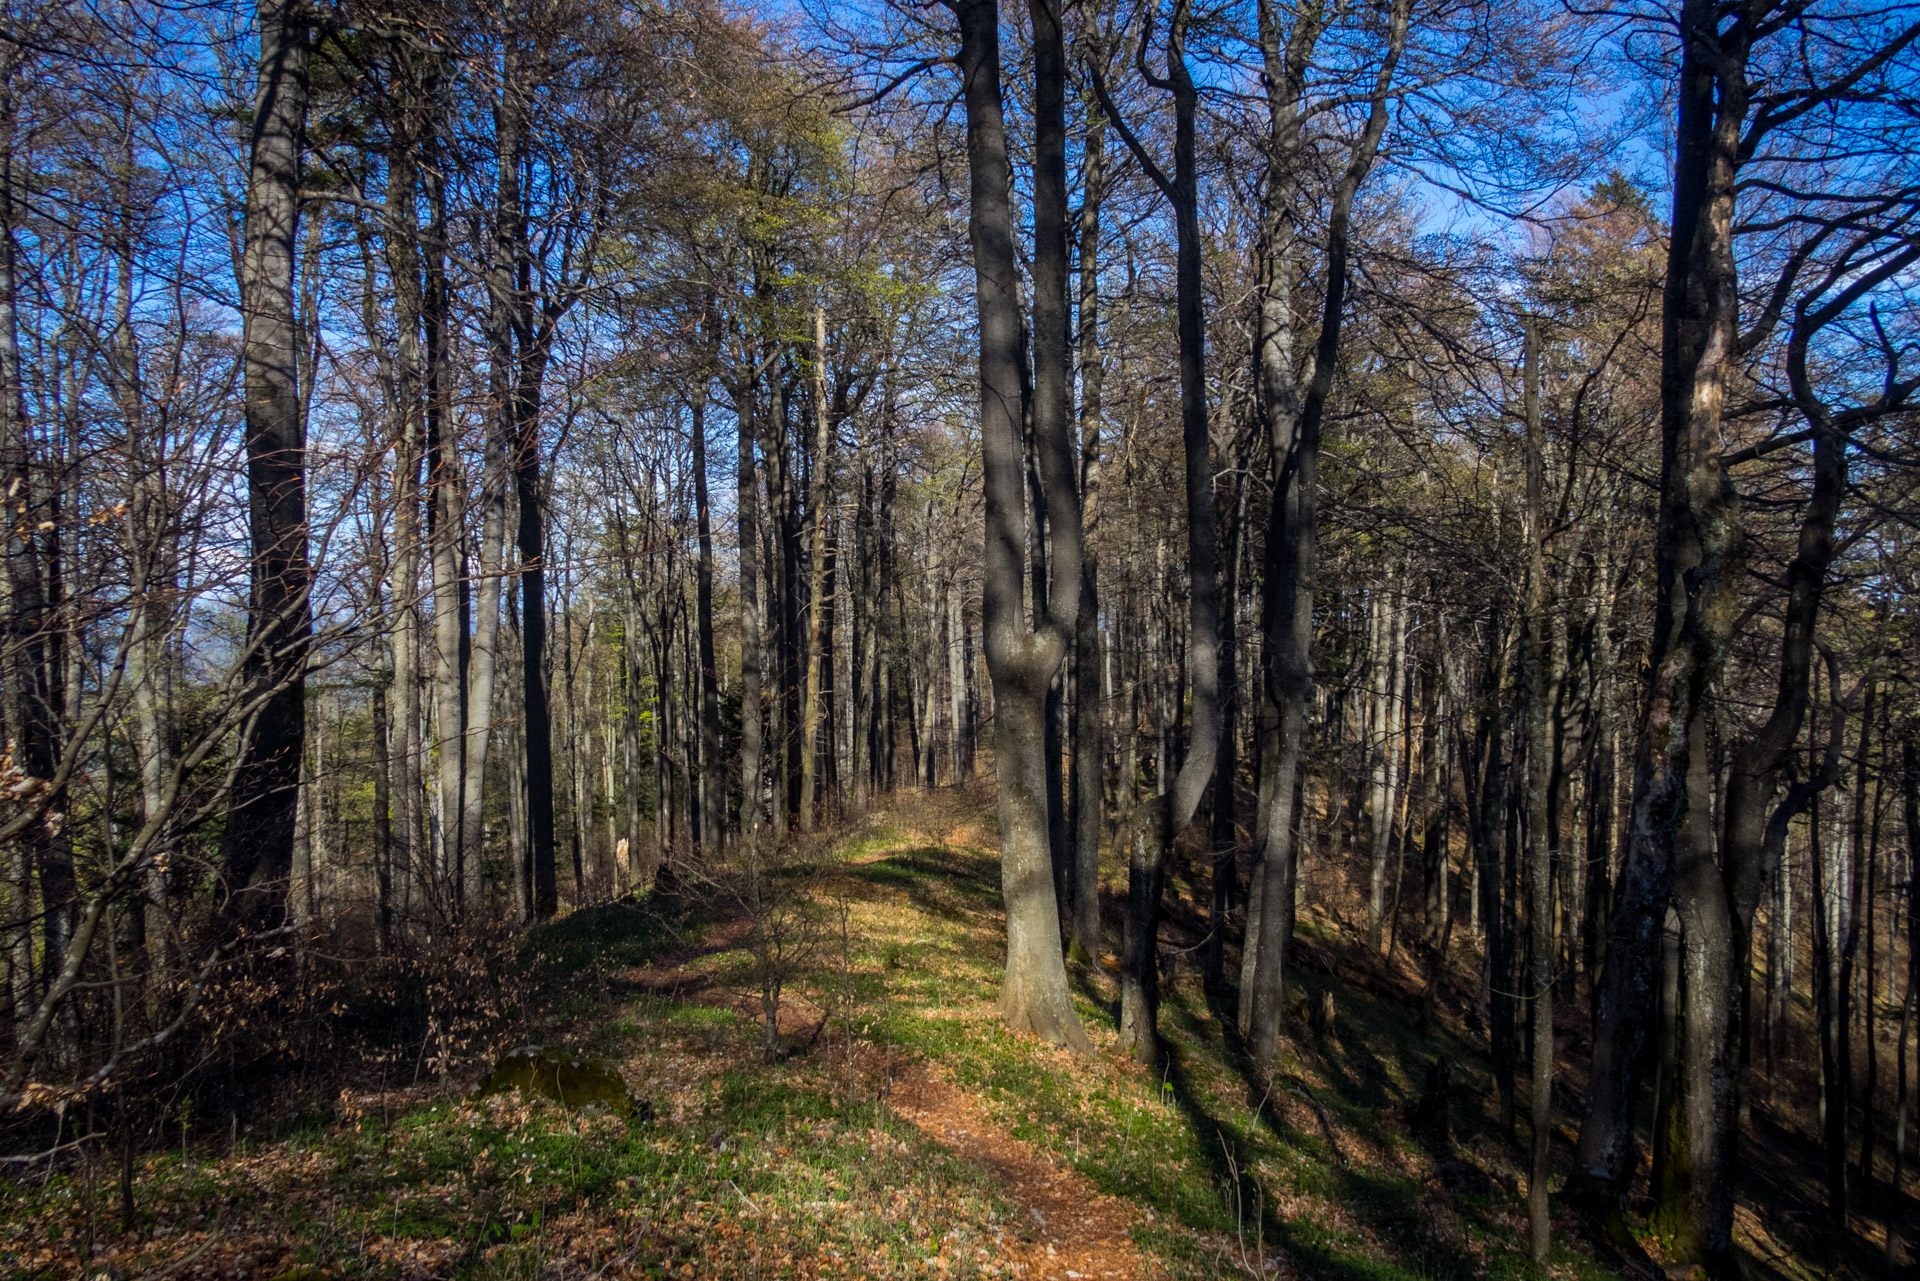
(1069, 1230)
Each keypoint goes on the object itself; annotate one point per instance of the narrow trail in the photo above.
(1064, 1228)
(1069, 1230)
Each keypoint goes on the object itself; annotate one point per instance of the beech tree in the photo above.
(1023, 656)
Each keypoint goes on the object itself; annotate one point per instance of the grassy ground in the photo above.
(1321, 1171)
(802, 1167)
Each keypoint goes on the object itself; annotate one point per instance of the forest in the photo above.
(1131, 638)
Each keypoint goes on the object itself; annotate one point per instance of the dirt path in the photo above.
(1066, 1228)
(1069, 1230)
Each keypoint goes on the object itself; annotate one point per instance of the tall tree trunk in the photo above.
(1541, 837)
(1868, 1090)
(958, 714)
(713, 787)
(483, 661)
(1698, 558)
(23, 688)
(1222, 871)
(531, 498)
(826, 747)
(533, 640)
(1089, 749)
(1779, 959)
(783, 603)
(436, 384)
(1139, 994)
(1489, 811)
(1380, 746)
(1294, 427)
(1433, 861)
(866, 616)
(257, 854)
(1602, 780)
(454, 889)
(1910, 826)
(752, 714)
(416, 369)
(816, 596)
(1049, 396)
(1837, 1079)
(1021, 660)
(403, 266)
(382, 823)
(152, 565)
(518, 854)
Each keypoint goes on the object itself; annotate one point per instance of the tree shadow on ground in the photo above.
(944, 884)
(1390, 1207)
(1352, 1114)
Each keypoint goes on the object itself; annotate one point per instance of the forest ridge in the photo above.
(1399, 503)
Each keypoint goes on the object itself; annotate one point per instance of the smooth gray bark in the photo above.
(1022, 660)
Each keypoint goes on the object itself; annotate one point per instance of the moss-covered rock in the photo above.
(565, 1076)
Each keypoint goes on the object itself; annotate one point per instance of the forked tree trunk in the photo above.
(1022, 660)
(1718, 903)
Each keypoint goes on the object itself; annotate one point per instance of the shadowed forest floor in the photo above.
(902, 1132)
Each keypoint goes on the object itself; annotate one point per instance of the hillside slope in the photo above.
(900, 1130)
